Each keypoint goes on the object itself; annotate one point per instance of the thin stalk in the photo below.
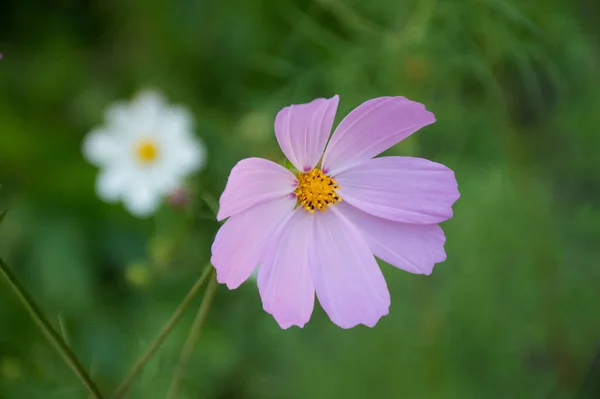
(193, 337)
(63, 331)
(162, 335)
(54, 337)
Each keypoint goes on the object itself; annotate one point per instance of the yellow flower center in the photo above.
(316, 190)
(146, 151)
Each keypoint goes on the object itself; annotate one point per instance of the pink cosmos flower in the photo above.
(320, 229)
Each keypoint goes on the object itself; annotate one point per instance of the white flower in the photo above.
(144, 151)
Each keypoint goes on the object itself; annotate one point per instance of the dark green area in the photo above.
(513, 313)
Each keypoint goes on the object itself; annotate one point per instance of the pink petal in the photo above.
(415, 248)
(403, 189)
(284, 278)
(372, 128)
(302, 131)
(347, 279)
(254, 181)
(241, 242)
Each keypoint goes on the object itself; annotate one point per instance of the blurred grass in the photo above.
(513, 312)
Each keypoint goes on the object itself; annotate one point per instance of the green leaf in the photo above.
(2, 214)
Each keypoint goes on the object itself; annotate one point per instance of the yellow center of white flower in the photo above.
(146, 151)
(316, 190)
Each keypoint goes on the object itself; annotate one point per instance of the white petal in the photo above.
(111, 184)
(191, 157)
(141, 200)
(150, 102)
(100, 147)
(118, 114)
(143, 116)
(177, 120)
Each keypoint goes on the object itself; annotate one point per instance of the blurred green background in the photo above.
(513, 313)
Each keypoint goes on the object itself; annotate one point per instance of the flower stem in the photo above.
(162, 335)
(193, 336)
(44, 325)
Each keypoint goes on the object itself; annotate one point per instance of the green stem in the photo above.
(193, 336)
(55, 339)
(63, 331)
(162, 335)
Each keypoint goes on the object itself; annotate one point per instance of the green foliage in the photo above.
(512, 313)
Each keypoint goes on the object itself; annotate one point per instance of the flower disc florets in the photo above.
(316, 190)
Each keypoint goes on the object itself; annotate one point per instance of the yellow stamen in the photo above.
(146, 151)
(316, 190)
